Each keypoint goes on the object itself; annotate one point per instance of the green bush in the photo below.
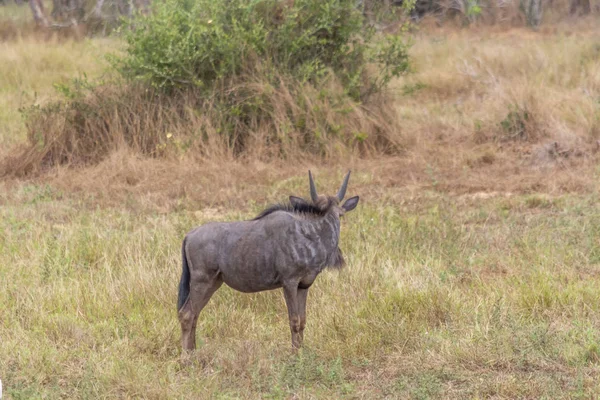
(202, 43)
(260, 78)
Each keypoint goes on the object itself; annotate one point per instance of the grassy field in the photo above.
(473, 258)
(442, 297)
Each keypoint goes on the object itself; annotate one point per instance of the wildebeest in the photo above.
(284, 246)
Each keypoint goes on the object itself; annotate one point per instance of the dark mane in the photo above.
(298, 209)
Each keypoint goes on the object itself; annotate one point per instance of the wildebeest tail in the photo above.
(184, 283)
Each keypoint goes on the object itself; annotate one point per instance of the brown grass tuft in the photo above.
(250, 118)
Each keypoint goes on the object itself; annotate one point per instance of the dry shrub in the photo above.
(85, 130)
(249, 117)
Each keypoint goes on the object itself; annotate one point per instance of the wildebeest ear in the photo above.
(298, 201)
(350, 204)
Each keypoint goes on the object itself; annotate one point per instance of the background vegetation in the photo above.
(263, 77)
(472, 260)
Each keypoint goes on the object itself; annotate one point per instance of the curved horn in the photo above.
(342, 191)
(313, 189)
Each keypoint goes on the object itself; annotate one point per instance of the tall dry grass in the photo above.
(487, 102)
(29, 68)
(283, 120)
(474, 79)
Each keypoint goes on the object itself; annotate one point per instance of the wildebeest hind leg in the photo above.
(290, 292)
(302, 294)
(201, 290)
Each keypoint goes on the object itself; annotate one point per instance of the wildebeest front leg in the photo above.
(302, 294)
(201, 290)
(290, 292)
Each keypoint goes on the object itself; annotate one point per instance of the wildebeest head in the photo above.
(326, 203)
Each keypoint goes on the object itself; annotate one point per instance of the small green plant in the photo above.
(592, 353)
(515, 124)
(473, 10)
(411, 88)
